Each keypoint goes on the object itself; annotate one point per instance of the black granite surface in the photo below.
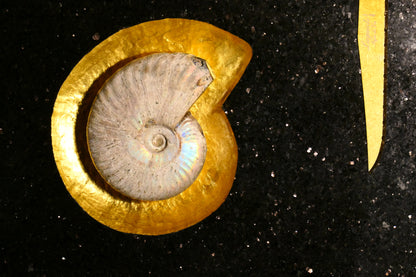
(302, 204)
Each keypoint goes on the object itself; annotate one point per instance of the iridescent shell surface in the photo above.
(141, 137)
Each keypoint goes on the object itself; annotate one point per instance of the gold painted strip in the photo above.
(371, 44)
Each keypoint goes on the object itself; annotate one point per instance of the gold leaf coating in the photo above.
(227, 55)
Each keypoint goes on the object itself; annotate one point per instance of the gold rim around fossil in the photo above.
(227, 56)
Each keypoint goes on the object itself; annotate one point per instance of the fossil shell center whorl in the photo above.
(141, 137)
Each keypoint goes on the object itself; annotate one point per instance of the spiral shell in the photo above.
(141, 137)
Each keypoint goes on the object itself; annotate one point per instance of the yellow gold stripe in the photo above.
(371, 41)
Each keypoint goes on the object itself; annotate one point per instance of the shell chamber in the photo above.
(141, 137)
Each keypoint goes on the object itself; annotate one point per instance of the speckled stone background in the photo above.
(302, 203)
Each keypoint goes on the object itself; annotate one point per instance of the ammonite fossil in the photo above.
(142, 139)
(138, 133)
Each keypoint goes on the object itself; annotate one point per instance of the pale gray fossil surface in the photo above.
(141, 137)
